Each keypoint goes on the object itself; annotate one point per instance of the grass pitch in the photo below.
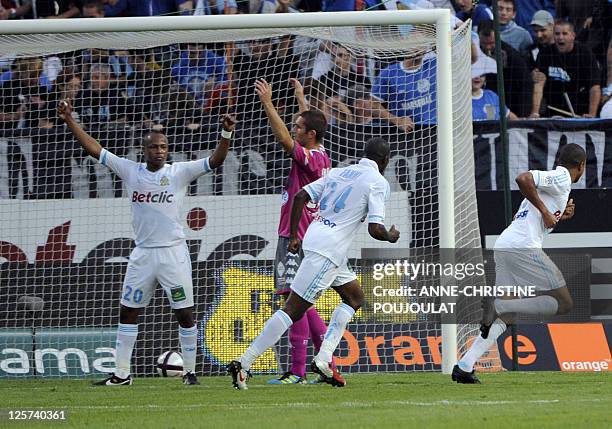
(409, 400)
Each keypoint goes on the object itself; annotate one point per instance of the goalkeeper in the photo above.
(309, 162)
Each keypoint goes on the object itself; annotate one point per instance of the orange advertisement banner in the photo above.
(581, 347)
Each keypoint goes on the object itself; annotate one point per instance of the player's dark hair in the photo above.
(315, 120)
(571, 155)
(376, 149)
(148, 137)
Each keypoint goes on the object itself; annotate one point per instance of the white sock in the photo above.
(189, 346)
(340, 318)
(274, 328)
(544, 305)
(126, 337)
(480, 346)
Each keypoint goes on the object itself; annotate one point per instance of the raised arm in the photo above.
(527, 187)
(218, 156)
(298, 91)
(264, 90)
(91, 145)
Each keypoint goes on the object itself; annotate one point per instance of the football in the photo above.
(170, 364)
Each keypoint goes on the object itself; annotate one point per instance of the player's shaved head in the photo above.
(377, 149)
(571, 156)
(153, 136)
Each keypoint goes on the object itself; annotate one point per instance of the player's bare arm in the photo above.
(91, 145)
(299, 201)
(379, 232)
(264, 91)
(528, 189)
(298, 91)
(218, 156)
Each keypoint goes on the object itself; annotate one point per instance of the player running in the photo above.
(520, 260)
(346, 197)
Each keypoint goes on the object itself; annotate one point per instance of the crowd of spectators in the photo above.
(556, 61)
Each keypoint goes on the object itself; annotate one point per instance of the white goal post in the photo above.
(455, 206)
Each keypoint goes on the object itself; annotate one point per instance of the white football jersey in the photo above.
(156, 197)
(345, 196)
(527, 229)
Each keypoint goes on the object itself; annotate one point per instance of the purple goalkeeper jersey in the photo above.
(308, 165)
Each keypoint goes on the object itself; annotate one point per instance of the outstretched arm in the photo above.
(264, 90)
(218, 156)
(91, 145)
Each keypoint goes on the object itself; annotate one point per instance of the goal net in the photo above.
(65, 221)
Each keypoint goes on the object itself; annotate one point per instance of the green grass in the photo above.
(410, 400)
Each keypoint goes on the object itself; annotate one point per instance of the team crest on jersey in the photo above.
(423, 85)
(164, 181)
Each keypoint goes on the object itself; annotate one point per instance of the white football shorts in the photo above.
(168, 266)
(317, 274)
(527, 267)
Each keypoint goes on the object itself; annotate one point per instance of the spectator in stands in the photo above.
(52, 174)
(582, 14)
(542, 25)
(12, 9)
(337, 81)
(105, 110)
(22, 107)
(517, 77)
(56, 8)
(525, 9)
(217, 7)
(607, 91)
(511, 33)
(466, 9)
(22, 95)
(101, 102)
(404, 92)
(200, 71)
(148, 7)
(266, 60)
(93, 9)
(485, 103)
(571, 72)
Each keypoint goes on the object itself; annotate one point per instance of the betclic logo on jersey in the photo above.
(159, 198)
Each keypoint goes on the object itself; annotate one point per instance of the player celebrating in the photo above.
(157, 190)
(519, 259)
(345, 196)
(309, 162)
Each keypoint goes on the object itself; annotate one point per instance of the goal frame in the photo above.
(441, 18)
